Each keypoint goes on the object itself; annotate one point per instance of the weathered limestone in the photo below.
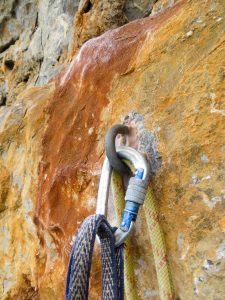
(35, 37)
(21, 128)
(170, 69)
(167, 68)
(97, 16)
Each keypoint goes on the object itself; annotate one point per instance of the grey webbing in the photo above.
(81, 256)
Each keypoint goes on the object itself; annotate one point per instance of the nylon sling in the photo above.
(79, 268)
(113, 257)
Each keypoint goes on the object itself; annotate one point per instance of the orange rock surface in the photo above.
(168, 68)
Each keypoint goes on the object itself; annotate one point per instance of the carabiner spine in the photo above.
(142, 168)
(103, 190)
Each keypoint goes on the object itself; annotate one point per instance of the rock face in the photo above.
(38, 37)
(21, 129)
(167, 71)
(97, 16)
(29, 53)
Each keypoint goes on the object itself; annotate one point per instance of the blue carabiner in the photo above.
(131, 208)
(135, 193)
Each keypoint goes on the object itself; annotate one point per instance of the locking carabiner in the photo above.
(135, 193)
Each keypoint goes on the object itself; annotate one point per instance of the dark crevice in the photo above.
(7, 45)
(3, 21)
(13, 10)
(3, 100)
(35, 25)
(87, 7)
(9, 63)
(38, 73)
(26, 78)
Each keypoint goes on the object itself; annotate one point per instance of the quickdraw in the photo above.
(113, 239)
(135, 193)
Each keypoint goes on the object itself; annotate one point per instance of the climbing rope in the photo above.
(118, 200)
(112, 239)
(164, 278)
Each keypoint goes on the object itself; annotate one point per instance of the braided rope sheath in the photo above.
(81, 256)
(166, 290)
(119, 203)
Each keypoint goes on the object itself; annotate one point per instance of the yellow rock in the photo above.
(169, 70)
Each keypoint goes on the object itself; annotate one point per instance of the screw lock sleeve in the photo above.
(136, 190)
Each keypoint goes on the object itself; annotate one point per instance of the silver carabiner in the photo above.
(142, 174)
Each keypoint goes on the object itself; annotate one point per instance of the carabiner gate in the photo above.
(135, 193)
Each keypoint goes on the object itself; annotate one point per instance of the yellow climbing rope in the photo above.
(119, 203)
(165, 284)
